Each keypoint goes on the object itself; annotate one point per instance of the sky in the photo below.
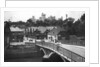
(25, 15)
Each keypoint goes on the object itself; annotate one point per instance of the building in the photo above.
(51, 18)
(17, 34)
(53, 34)
(43, 17)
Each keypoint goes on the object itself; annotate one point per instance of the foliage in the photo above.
(71, 26)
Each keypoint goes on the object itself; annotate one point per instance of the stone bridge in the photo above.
(51, 49)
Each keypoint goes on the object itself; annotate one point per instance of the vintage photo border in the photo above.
(87, 40)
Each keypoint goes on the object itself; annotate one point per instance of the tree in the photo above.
(79, 26)
(83, 17)
(7, 34)
(68, 25)
(29, 22)
(7, 30)
(37, 32)
(68, 22)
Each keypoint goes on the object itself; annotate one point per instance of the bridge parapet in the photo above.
(66, 53)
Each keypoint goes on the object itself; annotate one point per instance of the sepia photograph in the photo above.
(44, 35)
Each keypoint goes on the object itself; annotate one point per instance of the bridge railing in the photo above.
(69, 55)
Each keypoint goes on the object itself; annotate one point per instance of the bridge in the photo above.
(66, 52)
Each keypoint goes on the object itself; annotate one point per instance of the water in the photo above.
(23, 53)
(28, 53)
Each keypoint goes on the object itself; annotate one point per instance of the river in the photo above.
(27, 53)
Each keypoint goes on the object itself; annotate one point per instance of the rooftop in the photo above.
(56, 30)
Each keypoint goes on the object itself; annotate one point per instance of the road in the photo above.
(80, 50)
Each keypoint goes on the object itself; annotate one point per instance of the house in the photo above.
(37, 32)
(53, 34)
(28, 40)
(17, 34)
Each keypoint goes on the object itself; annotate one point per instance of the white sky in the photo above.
(25, 15)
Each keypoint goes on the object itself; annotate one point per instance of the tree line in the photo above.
(71, 26)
